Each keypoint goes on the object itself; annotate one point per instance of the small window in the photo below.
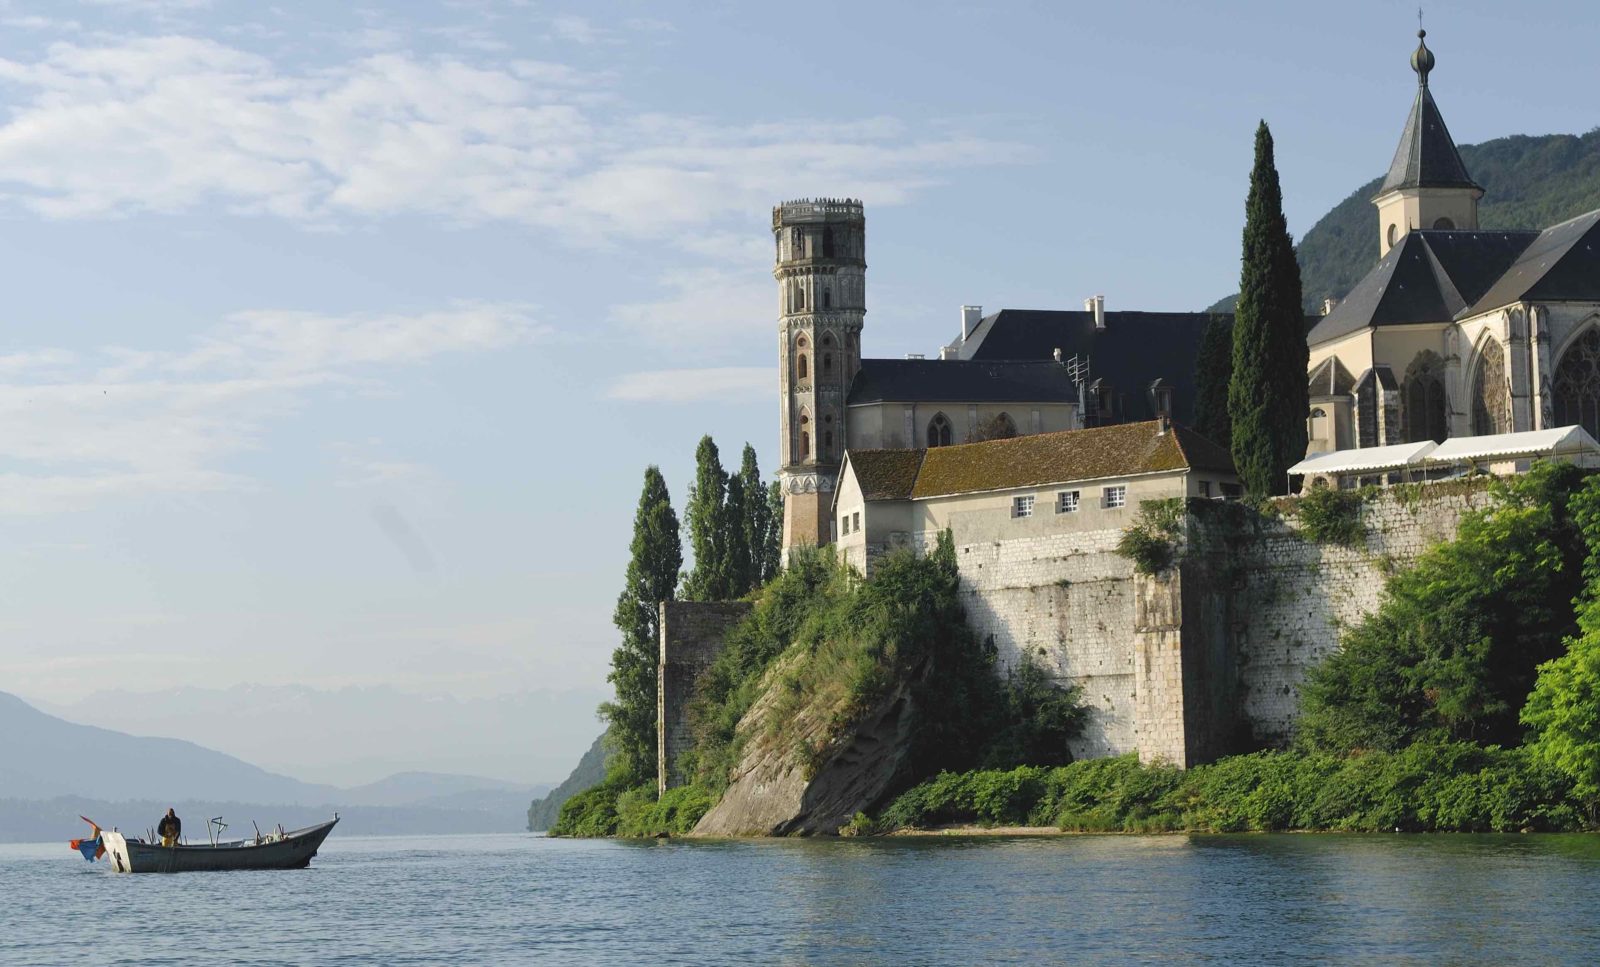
(844, 524)
(1443, 224)
(856, 518)
(1232, 491)
(1067, 502)
(801, 367)
(1205, 488)
(1394, 233)
(1116, 496)
(1022, 506)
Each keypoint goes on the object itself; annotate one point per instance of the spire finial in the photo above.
(1422, 59)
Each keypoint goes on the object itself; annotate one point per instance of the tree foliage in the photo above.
(1213, 371)
(1267, 390)
(707, 517)
(656, 555)
(1454, 646)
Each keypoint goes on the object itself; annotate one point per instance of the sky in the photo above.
(336, 337)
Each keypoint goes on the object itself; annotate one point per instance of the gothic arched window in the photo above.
(827, 364)
(801, 370)
(827, 298)
(799, 297)
(827, 445)
(805, 436)
(1577, 384)
(827, 242)
(1491, 398)
(1004, 426)
(939, 431)
(1425, 411)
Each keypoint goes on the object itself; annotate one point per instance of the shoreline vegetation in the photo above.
(1469, 701)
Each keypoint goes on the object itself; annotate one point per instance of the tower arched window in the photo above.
(827, 242)
(805, 436)
(1577, 384)
(827, 298)
(801, 368)
(800, 297)
(939, 431)
(827, 445)
(827, 364)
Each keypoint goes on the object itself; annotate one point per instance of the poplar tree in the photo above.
(1267, 391)
(707, 517)
(772, 546)
(1213, 370)
(736, 546)
(755, 520)
(652, 577)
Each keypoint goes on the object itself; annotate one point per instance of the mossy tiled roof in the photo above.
(1125, 450)
(886, 474)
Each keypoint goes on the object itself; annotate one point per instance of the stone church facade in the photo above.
(1457, 330)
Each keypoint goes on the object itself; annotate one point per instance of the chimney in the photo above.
(1057, 354)
(970, 317)
(1096, 305)
(1328, 305)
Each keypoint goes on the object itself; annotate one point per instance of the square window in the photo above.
(1205, 488)
(1022, 506)
(1067, 502)
(1116, 496)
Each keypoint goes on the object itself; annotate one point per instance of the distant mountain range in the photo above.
(353, 735)
(1528, 182)
(45, 760)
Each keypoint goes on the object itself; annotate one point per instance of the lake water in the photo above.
(1083, 899)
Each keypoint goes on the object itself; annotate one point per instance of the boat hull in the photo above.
(293, 851)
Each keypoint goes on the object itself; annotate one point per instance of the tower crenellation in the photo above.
(820, 267)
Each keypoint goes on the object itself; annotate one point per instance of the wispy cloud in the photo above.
(180, 123)
(79, 428)
(724, 384)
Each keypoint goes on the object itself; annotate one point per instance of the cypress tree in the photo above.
(736, 546)
(651, 578)
(1267, 391)
(706, 515)
(772, 547)
(1213, 368)
(756, 520)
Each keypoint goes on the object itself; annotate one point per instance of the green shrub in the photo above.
(675, 813)
(1428, 787)
(592, 812)
(1330, 516)
(1151, 542)
(1453, 648)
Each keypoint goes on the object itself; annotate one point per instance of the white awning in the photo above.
(1533, 443)
(1365, 460)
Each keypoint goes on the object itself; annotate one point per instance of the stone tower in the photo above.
(1428, 185)
(821, 270)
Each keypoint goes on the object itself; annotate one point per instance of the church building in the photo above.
(1009, 374)
(1457, 331)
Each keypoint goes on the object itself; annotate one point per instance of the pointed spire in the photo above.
(1427, 156)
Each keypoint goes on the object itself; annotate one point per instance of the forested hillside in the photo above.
(1528, 182)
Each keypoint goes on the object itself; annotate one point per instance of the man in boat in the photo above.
(170, 828)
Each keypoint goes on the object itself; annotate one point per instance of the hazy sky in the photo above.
(336, 337)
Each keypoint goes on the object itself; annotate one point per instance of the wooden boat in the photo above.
(271, 851)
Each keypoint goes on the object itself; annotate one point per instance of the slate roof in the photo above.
(1429, 276)
(885, 474)
(1561, 264)
(1427, 156)
(1133, 350)
(961, 381)
(1330, 378)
